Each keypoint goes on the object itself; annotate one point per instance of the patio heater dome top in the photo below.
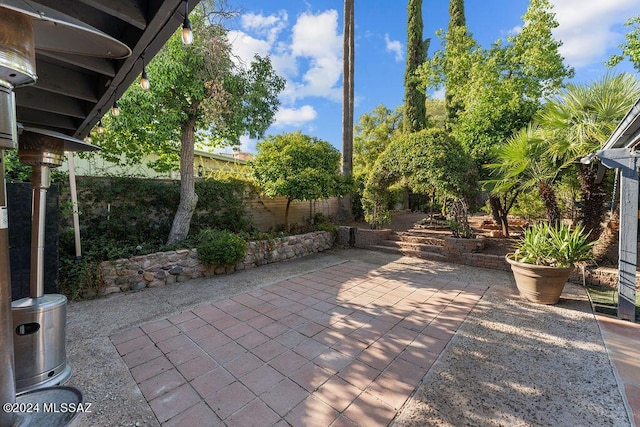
(43, 147)
(65, 142)
(25, 25)
(57, 32)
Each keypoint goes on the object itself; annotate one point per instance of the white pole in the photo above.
(74, 204)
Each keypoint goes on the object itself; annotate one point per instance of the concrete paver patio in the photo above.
(349, 337)
(346, 344)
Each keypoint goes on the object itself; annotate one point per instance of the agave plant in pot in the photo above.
(545, 257)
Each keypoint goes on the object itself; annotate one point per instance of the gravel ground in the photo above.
(511, 362)
(514, 363)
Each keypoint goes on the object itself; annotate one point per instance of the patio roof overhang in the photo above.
(73, 91)
(627, 133)
(70, 94)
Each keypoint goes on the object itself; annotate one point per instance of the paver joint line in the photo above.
(347, 339)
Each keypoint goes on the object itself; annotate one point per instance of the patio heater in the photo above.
(25, 26)
(39, 321)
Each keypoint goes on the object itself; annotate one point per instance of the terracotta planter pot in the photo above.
(539, 283)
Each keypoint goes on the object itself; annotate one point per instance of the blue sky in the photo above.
(304, 41)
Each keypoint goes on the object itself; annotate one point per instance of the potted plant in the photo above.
(544, 258)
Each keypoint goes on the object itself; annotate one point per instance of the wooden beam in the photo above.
(29, 117)
(628, 241)
(626, 161)
(126, 10)
(103, 66)
(65, 81)
(32, 97)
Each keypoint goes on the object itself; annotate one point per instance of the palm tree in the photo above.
(581, 118)
(348, 56)
(521, 165)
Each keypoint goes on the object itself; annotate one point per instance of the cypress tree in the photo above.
(456, 14)
(457, 27)
(415, 115)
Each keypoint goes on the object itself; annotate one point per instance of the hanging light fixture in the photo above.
(115, 110)
(144, 80)
(100, 128)
(187, 34)
(88, 138)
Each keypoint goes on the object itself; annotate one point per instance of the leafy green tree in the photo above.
(298, 167)
(373, 133)
(631, 47)
(436, 111)
(427, 161)
(582, 117)
(415, 118)
(499, 88)
(197, 92)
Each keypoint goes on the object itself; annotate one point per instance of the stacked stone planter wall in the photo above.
(469, 252)
(362, 238)
(458, 251)
(165, 268)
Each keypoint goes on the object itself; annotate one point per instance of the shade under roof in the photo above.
(73, 90)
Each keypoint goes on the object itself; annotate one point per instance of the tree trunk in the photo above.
(548, 196)
(348, 57)
(592, 210)
(188, 196)
(605, 251)
(501, 208)
(494, 204)
(286, 216)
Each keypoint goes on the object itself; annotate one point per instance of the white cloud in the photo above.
(295, 116)
(247, 145)
(315, 39)
(395, 47)
(308, 54)
(588, 29)
(245, 46)
(268, 26)
(439, 94)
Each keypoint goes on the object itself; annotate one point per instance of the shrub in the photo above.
(556, 246)
(220, 247)
(529, 206)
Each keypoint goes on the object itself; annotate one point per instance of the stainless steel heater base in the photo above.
(39, 333)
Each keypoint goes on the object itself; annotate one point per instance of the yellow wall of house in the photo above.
(95, 165)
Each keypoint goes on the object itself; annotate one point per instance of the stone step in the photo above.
(417, 238)
(432, 256)
(414, 246)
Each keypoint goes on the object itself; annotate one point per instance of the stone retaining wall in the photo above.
(600, 276)
(165, 268)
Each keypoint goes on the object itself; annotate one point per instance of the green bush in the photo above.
(220, 247)
(556, 246)
(529, 206)
(122, 217)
